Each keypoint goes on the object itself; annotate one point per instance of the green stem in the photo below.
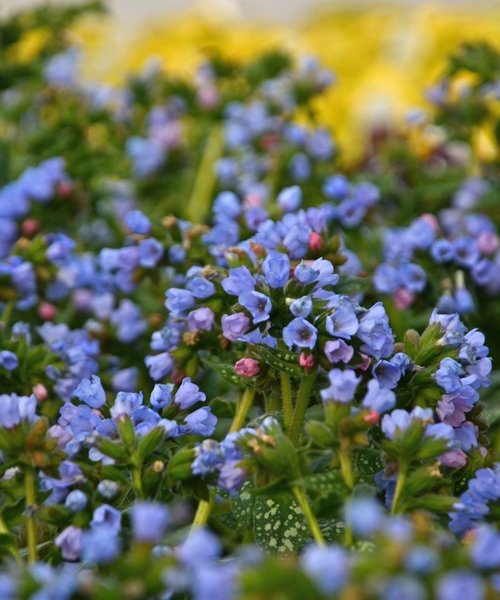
(286, 400)
(400, 484)
(5, 530)
(306, 386)
(206, 177)
(312, 523)
(346, 468)
(205, 507)
(137, 479)
(244, 406)
(203, 512)
(29, 490)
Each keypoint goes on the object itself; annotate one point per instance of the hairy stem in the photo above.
(203, 512)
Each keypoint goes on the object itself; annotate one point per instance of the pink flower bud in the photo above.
(372, 417)
(315, 241)
(64, 189)
(454, 459)
(431, 220)
(40, 392)
(247, 367)
(367, 361)
(403, 298)
(47, 311)
(252, 200)
(306, 361)
(487, 242)
(30, 227)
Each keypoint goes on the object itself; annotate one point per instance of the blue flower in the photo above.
(8, 360)
(201, 287)
(76, 501)
(201, 319)
(336, 187)
(338, 351)
(137, 222)
(364, 515)
(161, 396)
(91, 392)
(300, 333)
(188, 394)
(327, 566)
(257, 304)
(228, 205)
(107, 517)
(386, 373)
(378, 398)
(485, 551)
(238, 281)
(301, 307)
(201, 422)
(150, 252)
(100, 545)
(178, 300)
(276, 269)
(342, 388)
(201, 546)
(159, 365)
(404, 587)
(460, 584)
(375, 333)
(442, 251)
(149, 521)
(290, 198)
(342, 321)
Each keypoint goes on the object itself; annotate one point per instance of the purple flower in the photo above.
(375, 332)
(257, 304)
(201, 422)
(300, 333)
(442, 251)
(452, 407)
(201, 319)
(107, 517)
(448, 375)
(239, 281)
(276, 269)
(149, 522)
(70, 542)
(378, 398)
(338, 351)
(234, 326)
(188, 394)
(413, 277)
(342, 388)
(125, 380)
(91, 392)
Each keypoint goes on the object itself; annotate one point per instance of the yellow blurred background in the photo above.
(384, 55)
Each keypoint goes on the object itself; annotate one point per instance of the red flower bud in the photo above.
(371, 418)
(315, 241)
(30, 227)
(47, 311)
(306, 361)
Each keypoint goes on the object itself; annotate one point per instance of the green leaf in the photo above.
(111, 449)
(226, 371)
(286, 362)
(325, 484)
(279, 525)
(150, 442)
(367, 463)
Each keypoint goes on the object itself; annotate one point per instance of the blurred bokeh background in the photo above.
(383, 54)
